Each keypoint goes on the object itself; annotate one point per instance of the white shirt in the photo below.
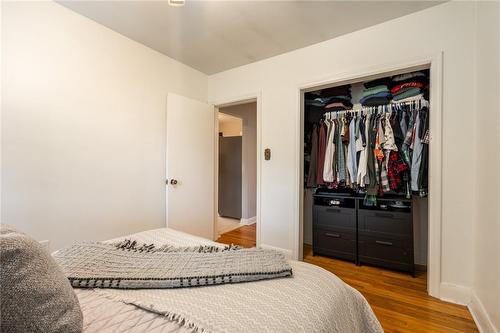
(329, 152)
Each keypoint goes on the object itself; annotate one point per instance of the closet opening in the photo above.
(237, 171)
(365, 169)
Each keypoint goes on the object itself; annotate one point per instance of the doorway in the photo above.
(236, 170)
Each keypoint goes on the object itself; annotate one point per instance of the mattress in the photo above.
(314, 300)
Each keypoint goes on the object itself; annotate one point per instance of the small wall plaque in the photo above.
(267, 154)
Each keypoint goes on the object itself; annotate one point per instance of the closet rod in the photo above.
(418, 103)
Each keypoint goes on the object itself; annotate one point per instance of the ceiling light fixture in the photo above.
(176, 3)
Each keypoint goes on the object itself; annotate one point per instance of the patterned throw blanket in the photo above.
(314, 300)
(129, 265)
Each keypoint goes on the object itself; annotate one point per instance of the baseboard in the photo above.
(249, 221)
(287, 253)
(481, 318)
(454, 293)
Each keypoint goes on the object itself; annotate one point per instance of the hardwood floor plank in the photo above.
(244, 236)
(400, 301)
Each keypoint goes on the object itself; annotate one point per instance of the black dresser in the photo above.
(335, 226)
(382, 235)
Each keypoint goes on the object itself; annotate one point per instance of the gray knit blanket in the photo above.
(128, 265)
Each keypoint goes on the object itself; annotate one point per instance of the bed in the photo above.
(313, 300)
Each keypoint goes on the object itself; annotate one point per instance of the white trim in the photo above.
(216, 234)
(435, 61)
(455, 293)
(435, 209)
(481, 317)
(286, 252)
(242, 99)
(249, 221)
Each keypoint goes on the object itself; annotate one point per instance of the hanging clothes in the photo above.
(363, 178)
(340, 153)
(379, 151)
(313, 166)
(396, 167)
(329, 152)
(372, 185)
(424, 139)
(416, 154)
(389, 140)
(389, 146)
(396, 128)
(352, 152)
(408, 139)
(321, 153)
(345, 142)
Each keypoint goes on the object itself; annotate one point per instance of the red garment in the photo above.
(321, 154)
(395, 166)
(406, 85)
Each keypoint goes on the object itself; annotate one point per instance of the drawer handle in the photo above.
(384, 243)
(384, 215)
(332, 235)
(333, 210)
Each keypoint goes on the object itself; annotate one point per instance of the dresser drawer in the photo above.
(335, 243)
(385, 222)
(334, 217)
(387, 252)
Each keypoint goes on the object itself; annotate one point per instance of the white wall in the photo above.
(448, 28)
(83, 125)
(248, 113)
(486, 287)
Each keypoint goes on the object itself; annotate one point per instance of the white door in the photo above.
(190, 166)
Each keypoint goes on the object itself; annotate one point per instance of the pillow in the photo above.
(35, 295)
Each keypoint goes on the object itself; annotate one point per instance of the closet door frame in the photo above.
(243, 99)
(434, 62)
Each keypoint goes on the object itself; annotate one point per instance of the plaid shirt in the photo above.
(384, 181)
(396, 166)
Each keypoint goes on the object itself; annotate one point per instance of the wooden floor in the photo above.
(244, 236)
(399, 301)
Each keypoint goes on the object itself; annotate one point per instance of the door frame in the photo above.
(237, 100)
(435, 63)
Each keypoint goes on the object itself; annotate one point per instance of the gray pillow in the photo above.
(35, 295)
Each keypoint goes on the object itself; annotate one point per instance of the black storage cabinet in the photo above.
(334, 226)
(382, 235)
(385, 235)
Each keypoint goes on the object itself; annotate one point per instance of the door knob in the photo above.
(173, 181)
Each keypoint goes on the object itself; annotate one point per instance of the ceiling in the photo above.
(213, 36)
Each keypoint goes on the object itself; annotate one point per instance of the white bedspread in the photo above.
(314, 300)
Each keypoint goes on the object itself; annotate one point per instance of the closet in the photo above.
(366, 150)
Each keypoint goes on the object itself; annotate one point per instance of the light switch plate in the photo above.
(267, 154)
